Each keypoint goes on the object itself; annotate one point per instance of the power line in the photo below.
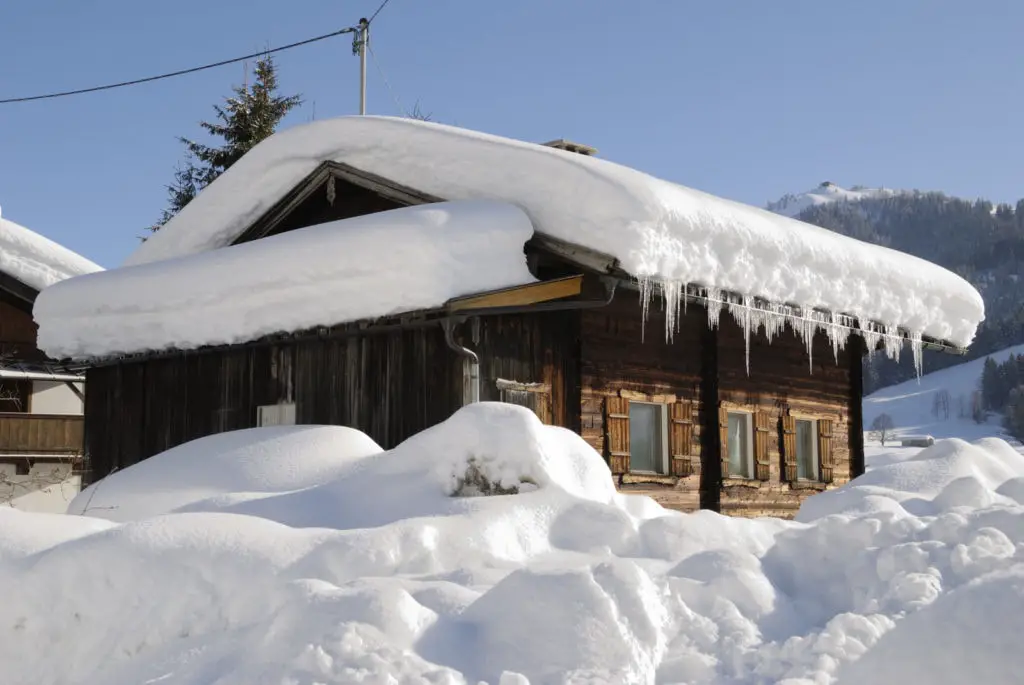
(182, 72)
(374, 15)
(383, 76)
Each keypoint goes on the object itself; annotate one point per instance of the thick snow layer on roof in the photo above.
(361, 566)
(371, 266)
(36, 261)
(658, 230)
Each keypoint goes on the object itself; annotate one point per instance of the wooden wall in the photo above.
(784, 382)
(701, 372)
(389, 385)
(621, 360)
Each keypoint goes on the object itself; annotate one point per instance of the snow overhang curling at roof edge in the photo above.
(37, 261)
(664, 234)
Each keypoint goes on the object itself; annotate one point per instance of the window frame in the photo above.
(283, 413)
(748, 417)
(663, 438)
(815, 452)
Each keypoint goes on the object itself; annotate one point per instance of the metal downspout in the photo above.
(471, 380)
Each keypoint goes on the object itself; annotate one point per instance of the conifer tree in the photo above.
(250, 115)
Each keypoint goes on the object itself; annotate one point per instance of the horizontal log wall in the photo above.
(622, 357)
(388, 385)
(782, 381)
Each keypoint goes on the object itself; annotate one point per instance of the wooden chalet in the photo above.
(41, 409)
(682, 421)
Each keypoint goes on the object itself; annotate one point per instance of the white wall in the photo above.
(47, 488)
(55, 397)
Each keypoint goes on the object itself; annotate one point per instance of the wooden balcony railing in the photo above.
(40, 433)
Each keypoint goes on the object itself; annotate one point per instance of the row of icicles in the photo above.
(753, 315)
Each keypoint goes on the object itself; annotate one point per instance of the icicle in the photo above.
(741, 311)
(714, 298)
(646, 286)
(838, 334)
(870, 334)
(806, 327)
(893, 342)
(917, 347)
(671, 294)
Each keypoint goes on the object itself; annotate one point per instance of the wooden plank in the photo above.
(723, 432)
(762, 465)
(616, 425)
(681, 439)
(531, 293)
(825, 450)
(789, 469)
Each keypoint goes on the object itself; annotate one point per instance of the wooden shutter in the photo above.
(616, 428)
(789, 449)
(681, 439)
(762, 428)
(825, 449)
(723, 436)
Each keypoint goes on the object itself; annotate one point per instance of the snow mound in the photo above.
(661, 232)
(366, 267)
(265, 460)
(36, 261)
(793, 204)
(374, 567)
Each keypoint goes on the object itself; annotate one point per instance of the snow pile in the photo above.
(792, 205)
(37, 261)
(364, 568)
(386, 263)
(673, 239)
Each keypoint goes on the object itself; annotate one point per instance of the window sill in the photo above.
(808, 485)
(648, 477)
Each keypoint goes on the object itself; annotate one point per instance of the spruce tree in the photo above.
(250, 115)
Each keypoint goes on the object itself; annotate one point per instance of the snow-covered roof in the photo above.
(376, 265)
(36, 261)
(659, 231)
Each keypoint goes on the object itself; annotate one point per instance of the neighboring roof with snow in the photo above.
(659, 231)
(36, 261)
(376, 265)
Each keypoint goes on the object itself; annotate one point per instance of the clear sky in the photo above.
(746, 99)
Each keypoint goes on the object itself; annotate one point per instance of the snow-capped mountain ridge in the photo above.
(792, 204)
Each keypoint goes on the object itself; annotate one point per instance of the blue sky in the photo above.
(745, 99)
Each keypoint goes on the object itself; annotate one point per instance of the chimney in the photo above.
(569, 146)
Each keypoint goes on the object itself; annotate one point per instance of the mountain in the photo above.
(981, 241)
(792, 204)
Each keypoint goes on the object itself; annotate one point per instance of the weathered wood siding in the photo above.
(538, 354)
(701, 374)
(623, 360)
(389, 385)
(783, 382)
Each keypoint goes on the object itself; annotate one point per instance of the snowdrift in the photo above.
(380, 567)
(36, 261)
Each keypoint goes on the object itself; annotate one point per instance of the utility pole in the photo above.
(364, 38)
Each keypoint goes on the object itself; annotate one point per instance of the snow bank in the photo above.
(659, 231)
(36, 261)
(386, 263)
(363, 567)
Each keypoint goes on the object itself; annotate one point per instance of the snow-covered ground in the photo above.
(307, 555)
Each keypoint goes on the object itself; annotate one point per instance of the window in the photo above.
(275, 415)
(739, 444)
(806, 450)
(648, 442)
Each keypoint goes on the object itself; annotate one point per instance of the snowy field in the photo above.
(302, 555)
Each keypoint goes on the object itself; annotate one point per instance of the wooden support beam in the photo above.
(517, 296)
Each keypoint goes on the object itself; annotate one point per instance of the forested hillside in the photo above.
(981, 242)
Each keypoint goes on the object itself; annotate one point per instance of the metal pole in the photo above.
(364, 36)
